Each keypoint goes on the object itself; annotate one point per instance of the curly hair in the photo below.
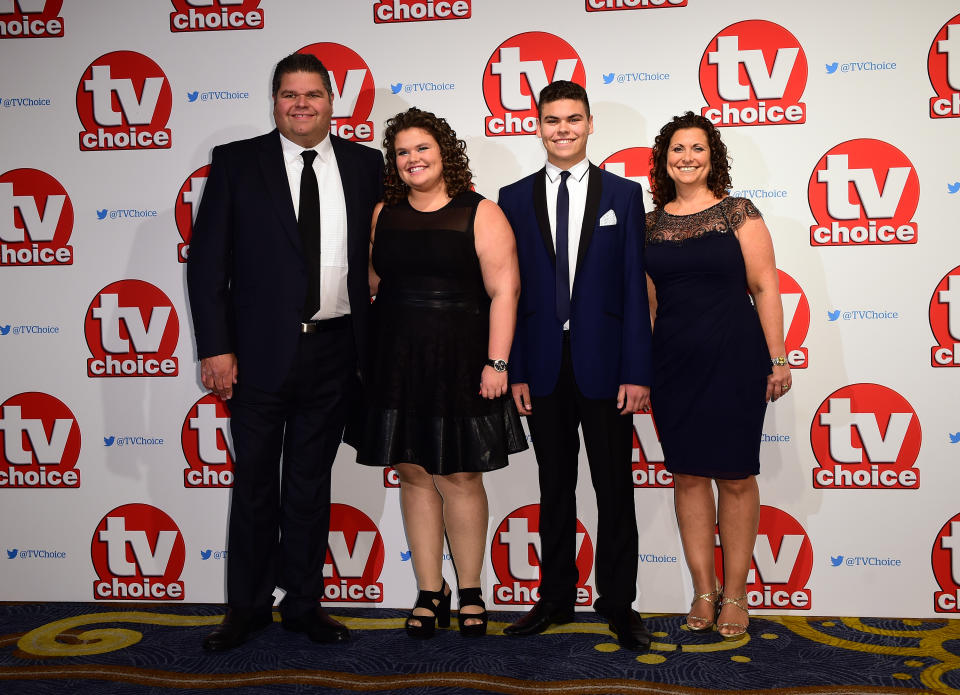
(453, 152)
(718, 180)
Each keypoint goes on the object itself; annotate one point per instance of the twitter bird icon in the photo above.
(4, 329)
(836, 561)
(833, 315)
(953, 187)
(831, 67)
(102, 214)
(608, 78)
(954, 437)
(395, 88)
(108, 441)
(192, 96)
(11, 553)
(405, 555)
(205, 554)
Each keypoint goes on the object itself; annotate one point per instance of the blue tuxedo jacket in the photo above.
(246, 273)
(609, 314)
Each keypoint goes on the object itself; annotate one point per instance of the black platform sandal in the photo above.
(436, 601)
(472, 597)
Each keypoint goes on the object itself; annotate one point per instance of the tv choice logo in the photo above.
(865, 437)
(943, 68)
(353, 90)
(879, 205)
(796, 315)
(391, 479)
(392, 11)
(131, 328)
(516, 72)
(515, 556)
(633, 163)
(186, 207)
(39, 442)
(781, 563)
(354, 561)
(138, 554)
(124, 101)
(775, 68)
(215, 15)
(31, 19)
(647, 462)
(945, 559)
(37, 220)
(606, 5)
(945, 321)
(205, 440)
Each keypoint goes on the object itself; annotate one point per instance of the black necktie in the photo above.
(309, 226)
(563, 254)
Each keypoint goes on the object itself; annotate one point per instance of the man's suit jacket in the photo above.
(609, 315)
(246, 272)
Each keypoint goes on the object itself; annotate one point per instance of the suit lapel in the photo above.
(270, 156)
(540, 209)
(594, 189)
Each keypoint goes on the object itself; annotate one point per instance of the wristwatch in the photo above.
(499, 365)
(778, 361)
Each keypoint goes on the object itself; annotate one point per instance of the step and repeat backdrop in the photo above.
(843, 123)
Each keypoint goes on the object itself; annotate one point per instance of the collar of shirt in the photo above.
(291, 151)
(577, 171)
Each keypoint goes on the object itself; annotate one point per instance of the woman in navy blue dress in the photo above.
(718, 355)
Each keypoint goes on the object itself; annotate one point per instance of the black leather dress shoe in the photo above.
(318, 626)
(629, 628)
(236, 628)
(539, 618)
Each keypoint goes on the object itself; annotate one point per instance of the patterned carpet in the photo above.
(82, 649)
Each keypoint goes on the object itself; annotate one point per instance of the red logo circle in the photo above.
(515, 556)
(354, 558)
(17, 23)
(865, 437)
(185, 209)
(796, 319)
(353, 90)
(863, 192)
(131, 329)
(39, 442)
(138, 554)
(205, 441)
(943, 68)
(42, 215)
(754, 73)
(648, 469)
(945, 559)
(945, 321)
(217, 15)
(124, 101)
(516, 72)
(632, 163)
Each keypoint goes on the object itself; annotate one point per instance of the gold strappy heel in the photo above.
(704, 624)
(741, 604)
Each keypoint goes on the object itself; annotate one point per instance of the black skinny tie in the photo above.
(563, 253)
(309, 226)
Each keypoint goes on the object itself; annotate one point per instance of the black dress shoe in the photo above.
(318, 626)
(539, 618)
(236, 628)
(627, 625)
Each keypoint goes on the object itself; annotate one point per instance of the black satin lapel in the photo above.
(594, 189)
(540, 208)
(278, 185)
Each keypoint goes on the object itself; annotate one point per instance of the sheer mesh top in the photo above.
(726, 216)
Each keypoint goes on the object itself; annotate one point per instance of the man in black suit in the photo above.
(278, 285)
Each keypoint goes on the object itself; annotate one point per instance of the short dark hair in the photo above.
(301, 62)
(718, 180)
(562, 89)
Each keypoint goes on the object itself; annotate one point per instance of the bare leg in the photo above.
(738, 516)
(696, 518)
(422, 508)
(465, 517)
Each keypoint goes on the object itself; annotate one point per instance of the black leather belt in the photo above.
(333, 324)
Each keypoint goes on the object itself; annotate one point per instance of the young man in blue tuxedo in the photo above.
(580, 358)
(278, 285)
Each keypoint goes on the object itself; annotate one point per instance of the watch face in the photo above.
(499, 365)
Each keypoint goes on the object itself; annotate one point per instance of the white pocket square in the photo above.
(609, 217)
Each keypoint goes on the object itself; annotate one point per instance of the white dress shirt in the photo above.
(577, 188)
(334, 300)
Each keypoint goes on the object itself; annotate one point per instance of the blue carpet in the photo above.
(124, 649)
